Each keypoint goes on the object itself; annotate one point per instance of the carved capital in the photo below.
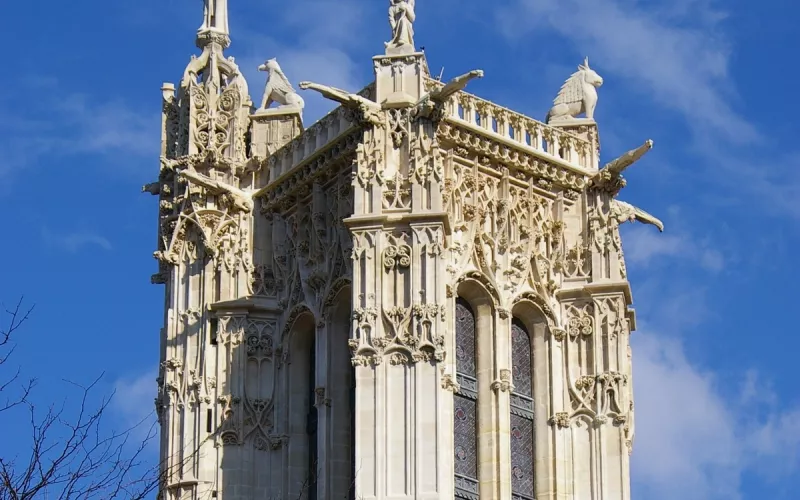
(503, 384)
(449, 383)
(561, 420)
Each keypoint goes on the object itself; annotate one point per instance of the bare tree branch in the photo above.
(71, 455)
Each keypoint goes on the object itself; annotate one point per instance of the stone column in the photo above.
(403, 427)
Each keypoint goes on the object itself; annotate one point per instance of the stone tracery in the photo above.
(276, 242)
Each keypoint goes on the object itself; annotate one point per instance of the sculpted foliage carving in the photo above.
(504, 230)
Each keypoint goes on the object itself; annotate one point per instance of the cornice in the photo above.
(515, 155)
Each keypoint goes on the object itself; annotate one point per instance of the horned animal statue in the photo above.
(278, 89)
(577, 95)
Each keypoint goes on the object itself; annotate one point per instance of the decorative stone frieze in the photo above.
(315, 272)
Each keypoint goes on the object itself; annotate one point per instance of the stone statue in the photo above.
(624, 212)
(577, 95)
(401, 19)
(215, 16)
(371, 110)
(278, 89)
(240, 200)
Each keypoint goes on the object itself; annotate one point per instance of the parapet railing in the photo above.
(517, 129)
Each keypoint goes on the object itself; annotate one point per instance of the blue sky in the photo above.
(713, 83)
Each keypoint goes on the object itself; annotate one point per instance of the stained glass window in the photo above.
(465, 418)
(465, 339)
(466, 450)
(522, 439)
(521, 359)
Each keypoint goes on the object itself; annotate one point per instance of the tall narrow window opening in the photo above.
(522, 439)
(311, 423)
(465, 417)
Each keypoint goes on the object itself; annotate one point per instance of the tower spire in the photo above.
(215, 24)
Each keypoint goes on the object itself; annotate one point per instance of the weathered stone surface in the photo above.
(311, 335)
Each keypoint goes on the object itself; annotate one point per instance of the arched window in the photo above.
(522, 439)
(312, 424)
(465, 418)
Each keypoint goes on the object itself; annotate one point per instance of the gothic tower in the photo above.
(420, 296)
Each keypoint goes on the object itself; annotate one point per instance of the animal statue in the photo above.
(370, 110)
(577, 95)
(278, 89)
(623, 212)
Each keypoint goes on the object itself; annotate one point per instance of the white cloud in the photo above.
(697, 438)
(675, 55)
(644, 247)
(686, 441)
(61, 124)
(133, 402)
(75, 241)
(675, 52)
(318, 50)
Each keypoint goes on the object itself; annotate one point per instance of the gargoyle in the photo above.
(610, 176)
(370, 110)
(432, 103)
(456, 84)
(153, 188)
(624, 212)
(241, 200)
(616, 167)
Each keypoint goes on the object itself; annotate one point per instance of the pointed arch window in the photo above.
(522, 438)
(465, 417)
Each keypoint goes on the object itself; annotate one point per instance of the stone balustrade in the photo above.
(326, 130)
(519, 130)
(311, 141)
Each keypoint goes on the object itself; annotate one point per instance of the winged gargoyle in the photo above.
(624, 212)
(370, 110)
(610, 176)
(433, 102)
(610, 179)
(241, 200)
(616, 167)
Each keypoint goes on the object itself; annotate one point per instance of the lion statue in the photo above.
(577, 95)
(278, 88)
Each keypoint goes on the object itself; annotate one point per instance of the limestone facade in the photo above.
(422, 295)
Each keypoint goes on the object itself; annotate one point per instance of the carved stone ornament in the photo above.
(561, 420)
(503, 384)
(578, 95)
(278, 88)
(277, 241)
(401, 20)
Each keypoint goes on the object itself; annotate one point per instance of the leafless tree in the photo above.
(70, 455)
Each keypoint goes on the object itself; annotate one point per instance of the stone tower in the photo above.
(420, 296)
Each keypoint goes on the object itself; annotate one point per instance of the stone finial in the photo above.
(577, 96)
(401, 19)
(278, 89)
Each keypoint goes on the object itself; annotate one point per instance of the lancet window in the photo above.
(522, 438)
(465, 416)
(312, 423)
